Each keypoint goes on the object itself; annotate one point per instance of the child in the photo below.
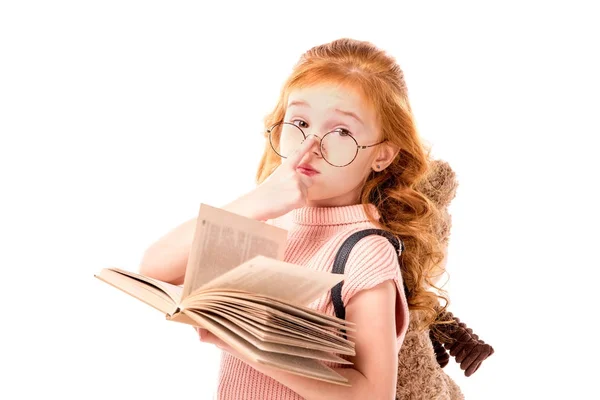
(342, 154)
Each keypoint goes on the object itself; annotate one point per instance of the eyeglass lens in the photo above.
(337, 148)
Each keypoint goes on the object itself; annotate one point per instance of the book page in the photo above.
(268, 309)
(278, 279)
(262, 321)
(295, 327)
(263, 302)
(272, 334)
(293, 364)
(139, 289)
(224, 240)
(317, 332)
(304, 313)
(173, 291)
(252, 336)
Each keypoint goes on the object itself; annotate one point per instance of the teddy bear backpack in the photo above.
(423, 356)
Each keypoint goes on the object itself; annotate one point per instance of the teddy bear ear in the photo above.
(440, 184)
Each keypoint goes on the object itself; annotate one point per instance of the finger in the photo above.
(202, 333)
(294, 160)
(305, 180)
(305, 183)
(214, 339)
(208, 337)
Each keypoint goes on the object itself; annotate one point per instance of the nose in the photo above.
(316, 147)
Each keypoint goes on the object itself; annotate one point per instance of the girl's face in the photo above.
(325, 108)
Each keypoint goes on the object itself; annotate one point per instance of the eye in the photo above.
(299, 122)
(343, 132)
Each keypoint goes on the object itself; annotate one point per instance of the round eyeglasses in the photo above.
(338, 148)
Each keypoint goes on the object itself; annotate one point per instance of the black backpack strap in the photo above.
(339, 263)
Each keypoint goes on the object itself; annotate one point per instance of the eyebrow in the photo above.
(302, 103)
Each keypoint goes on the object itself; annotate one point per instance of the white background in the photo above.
(117, 118)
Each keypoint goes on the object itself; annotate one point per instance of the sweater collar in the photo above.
(342, 215)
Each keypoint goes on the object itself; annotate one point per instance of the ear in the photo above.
(386, 153)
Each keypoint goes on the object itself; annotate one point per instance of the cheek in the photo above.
(360, 168)
(346, 177)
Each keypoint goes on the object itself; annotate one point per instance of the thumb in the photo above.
(306, 180)
(201, 332)
(296, 157)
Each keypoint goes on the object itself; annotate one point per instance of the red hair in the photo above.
(404, 210)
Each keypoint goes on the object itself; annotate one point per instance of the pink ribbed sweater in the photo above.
(314, 237)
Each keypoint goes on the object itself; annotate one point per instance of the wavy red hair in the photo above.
(404, 210)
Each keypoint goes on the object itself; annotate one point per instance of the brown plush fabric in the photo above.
(440, 187)
(422, 356)
(469, 350)
(420, 376)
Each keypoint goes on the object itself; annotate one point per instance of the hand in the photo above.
(285, 189)
(208, 337)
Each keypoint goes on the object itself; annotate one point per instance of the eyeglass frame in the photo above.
(358, 146)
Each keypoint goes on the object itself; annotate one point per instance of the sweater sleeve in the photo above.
(372, 261)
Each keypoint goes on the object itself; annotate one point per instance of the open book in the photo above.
(237, 286)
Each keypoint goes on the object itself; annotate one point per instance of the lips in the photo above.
(306, 170)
